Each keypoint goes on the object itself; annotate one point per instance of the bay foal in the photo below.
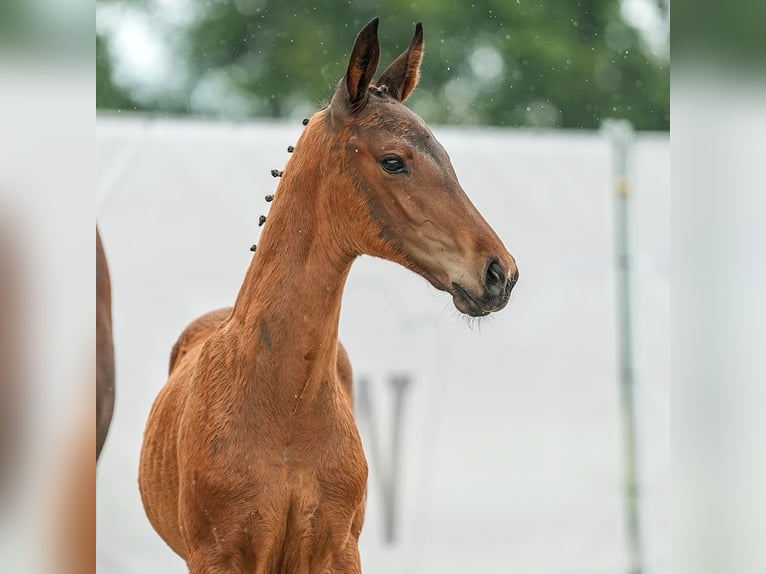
(252, 460)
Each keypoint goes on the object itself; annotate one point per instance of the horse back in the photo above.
(197, 332)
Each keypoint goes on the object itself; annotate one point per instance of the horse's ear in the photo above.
(402, 76)
(362, 65)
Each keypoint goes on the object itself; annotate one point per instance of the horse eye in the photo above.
(393, 164)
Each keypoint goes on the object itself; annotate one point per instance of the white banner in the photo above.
(509, 452)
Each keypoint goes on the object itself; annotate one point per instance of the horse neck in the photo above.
(290, 299)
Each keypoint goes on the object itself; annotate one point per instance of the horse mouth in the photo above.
(463, 300)
(467, 304)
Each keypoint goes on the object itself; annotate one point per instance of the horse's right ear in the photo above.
(362, 66)
(402, 76)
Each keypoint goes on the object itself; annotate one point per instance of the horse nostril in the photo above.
(495, 280)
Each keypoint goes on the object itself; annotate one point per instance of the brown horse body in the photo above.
(104, 348)
(252, 460)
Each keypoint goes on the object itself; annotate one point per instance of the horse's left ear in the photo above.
(403, 74)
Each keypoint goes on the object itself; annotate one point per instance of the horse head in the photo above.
(394, 190)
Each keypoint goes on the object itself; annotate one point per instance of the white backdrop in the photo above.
(511, 457)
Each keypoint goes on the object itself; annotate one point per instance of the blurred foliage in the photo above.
(730, 38)
(542, 63)
(46, 27)
(9, 17)
(108, 95)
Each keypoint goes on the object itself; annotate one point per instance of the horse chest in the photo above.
(287, 518)
(294, 480)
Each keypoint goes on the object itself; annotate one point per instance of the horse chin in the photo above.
(466, 304)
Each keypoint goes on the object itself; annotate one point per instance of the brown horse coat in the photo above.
(252, 461)
(104, 348)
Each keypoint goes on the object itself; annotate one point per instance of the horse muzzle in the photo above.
(497, 286)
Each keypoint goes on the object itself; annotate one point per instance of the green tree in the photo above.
(108, 94)
(552, 63)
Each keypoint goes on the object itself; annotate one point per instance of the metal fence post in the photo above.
(620, 134)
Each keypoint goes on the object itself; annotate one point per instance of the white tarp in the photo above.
(512, 439)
